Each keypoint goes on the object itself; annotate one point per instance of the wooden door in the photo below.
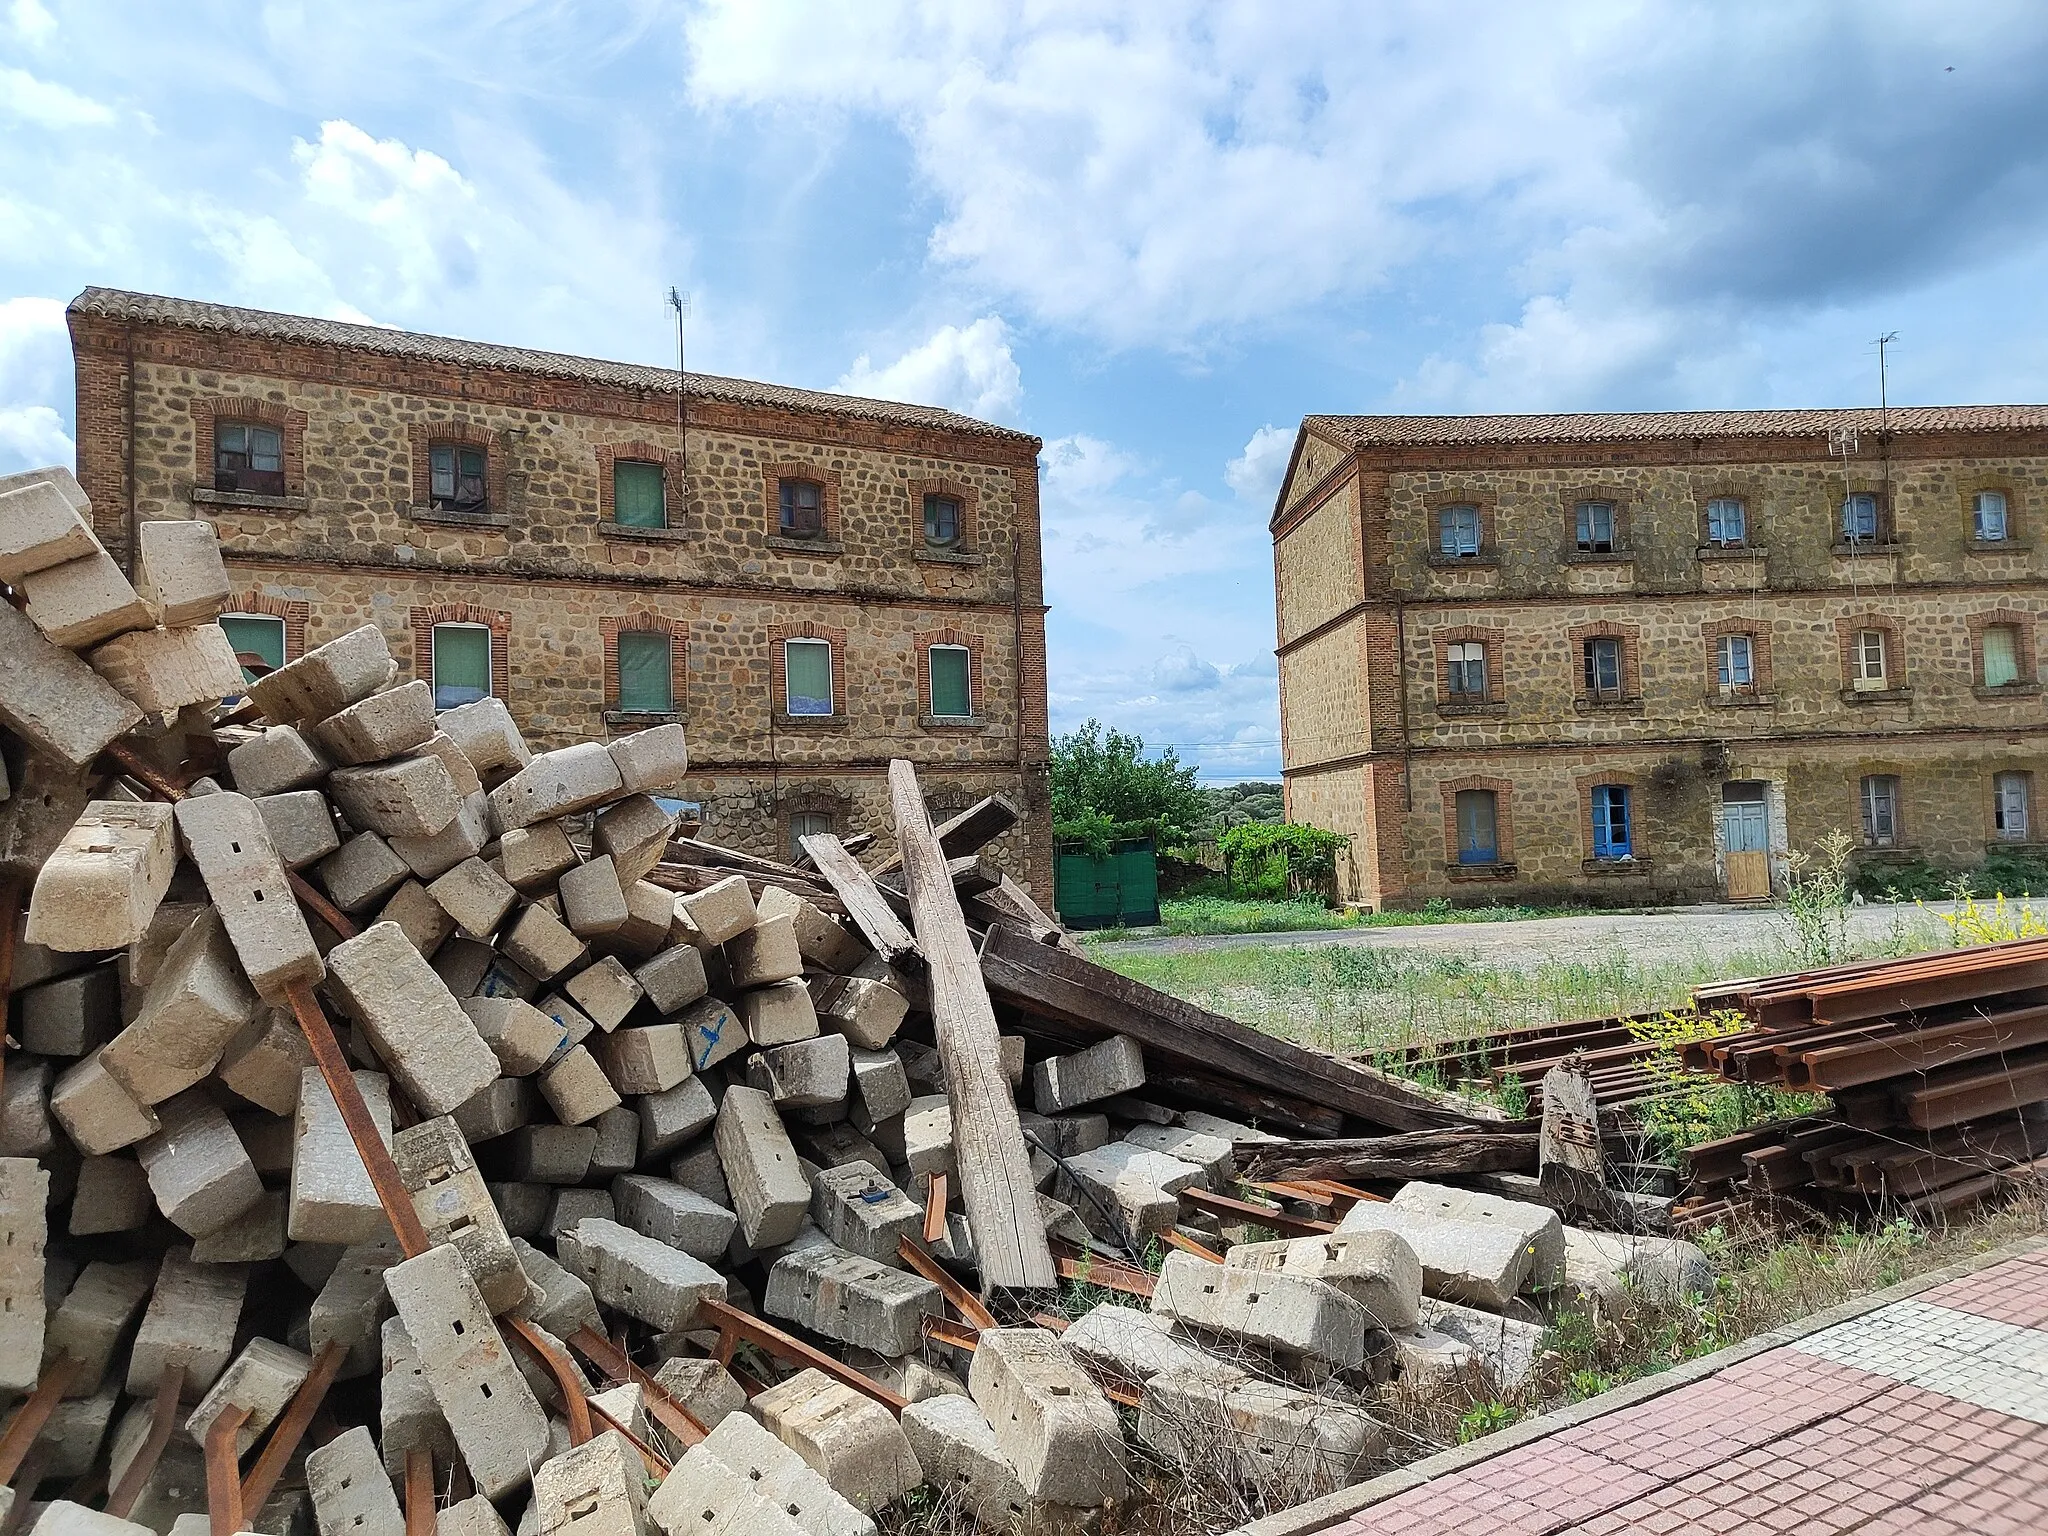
(1745, 843)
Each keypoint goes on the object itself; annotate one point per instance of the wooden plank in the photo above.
(1010, 902)
(865, 904)
(1414, 1155)
(33, 1414)
(860, 842)
(693, 877)
(1039, 977)
(694, 851)
(969, 832)
(988, 1141)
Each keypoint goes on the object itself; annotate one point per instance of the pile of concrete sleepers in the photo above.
(400, 1125)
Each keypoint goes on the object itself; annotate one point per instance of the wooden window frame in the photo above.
(1488, 553)
(965, 546)
(1848, 632)
(2024, 657)
(778, 680)
(1503, 792)
(678, 632)
(423, 621)
(1999, 832)
(826, 541)
(1759, 659)
(426, 437)
(1866, 823)
(949, 635)
(211, 412)
(1495, 643)
(1579, 637)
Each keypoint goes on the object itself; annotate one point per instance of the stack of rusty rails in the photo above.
(1937, 1065)
(1614, 1049)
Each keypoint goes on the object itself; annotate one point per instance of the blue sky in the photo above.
(1154, 234)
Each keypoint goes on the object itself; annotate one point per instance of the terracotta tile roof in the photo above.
(155, 309)
(1639, 426)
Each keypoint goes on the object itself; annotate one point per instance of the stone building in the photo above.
(1646, 657)
(813, 583)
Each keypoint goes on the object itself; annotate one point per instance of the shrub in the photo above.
(1261, 854)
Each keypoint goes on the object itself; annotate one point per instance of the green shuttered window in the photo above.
(950, 692)
(645, 675)
(258, 640)
(807, 675)
(637, 500)
(462, 664)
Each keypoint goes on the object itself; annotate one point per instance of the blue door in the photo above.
(1611, 830)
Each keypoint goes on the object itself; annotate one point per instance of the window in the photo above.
(1478, 827)
(1859, 519)
(455, 475)
(1727, 521)
(646, 676)
(1611, 830)
(1987, 521)
(258, 640)
(1596, 527)
(807, 677)
(1881, 809)
(247, 457)
(1458, 531)
(461, 664)
(941, 521)
(950, 691)
(1603, 668)
(1737, 662)
(803, 509)
(2001, 656)
(2009, 805)
(1867, 662)
(637, 498)
(1466, 663)
(803, 824)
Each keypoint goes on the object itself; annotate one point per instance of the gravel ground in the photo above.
(1649, 937)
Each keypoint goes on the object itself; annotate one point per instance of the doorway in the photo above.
(1745, 841)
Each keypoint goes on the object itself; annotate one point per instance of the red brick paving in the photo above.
(1781, 1444)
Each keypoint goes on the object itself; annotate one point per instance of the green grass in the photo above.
(1200, 915)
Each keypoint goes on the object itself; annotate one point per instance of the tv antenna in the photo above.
(680, 303)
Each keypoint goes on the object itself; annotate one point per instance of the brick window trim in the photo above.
(678, 632)
(1846, 631)
(1433, 510)
(970, 513)
(1631, 658)
(1993, 838)
(772, 476)
(1503, 818)
(1600, 778)
(778, 696)
(924, 640)
(1759, 653)
(211, 410)
(608, 454)
(294, 611)
(1495, 641)
(426, 436)
(2023, 646)
(1623, 521)
(422, 621)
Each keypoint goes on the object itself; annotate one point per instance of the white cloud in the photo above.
(48, 105)
(31, 22)
(1255, 474)
(967, 369)
(35, 369)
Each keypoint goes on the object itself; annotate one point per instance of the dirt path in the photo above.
(1649, 937)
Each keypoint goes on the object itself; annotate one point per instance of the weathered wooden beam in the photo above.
(1415, 1155)
(988, 1140)
(969, 832)
(1041, 978)
(865, 904)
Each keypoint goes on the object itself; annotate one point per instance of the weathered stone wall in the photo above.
(353, 539)
(1317, 566)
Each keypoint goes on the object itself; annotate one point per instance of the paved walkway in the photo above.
(1649, 937)
(1924, 1417)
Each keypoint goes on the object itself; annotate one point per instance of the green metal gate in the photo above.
(1119, 891)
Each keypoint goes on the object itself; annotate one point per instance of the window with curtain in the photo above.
(1880, 809)
(2001, 656)
(1458, 531)
(1737, 662)
(1612, 834)
(941, 521)
(950, 688)
(803, 508)
(1868, 661)
(1596, 527)
(2010, 793)
(1478, 827)
(455, 474)
(1602, 658)
(803, 824)
(1859, 519)
(1467, 664)
(1727, 521)
(637, 497)
(646, 672)
(807, 677)
(1987, 521)
(248, 457)
(258, 639)
(461, 664)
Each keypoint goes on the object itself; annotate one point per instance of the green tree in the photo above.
(1104, 787)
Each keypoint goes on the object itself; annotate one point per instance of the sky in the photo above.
(1154, 234)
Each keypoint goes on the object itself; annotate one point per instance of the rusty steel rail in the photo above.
(734, 1325)
(33, 1414)
(163, 1423)
(964, 1301)
(1233, 1209)
(291, 1426)
(224, 1470)
(616, 1365)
